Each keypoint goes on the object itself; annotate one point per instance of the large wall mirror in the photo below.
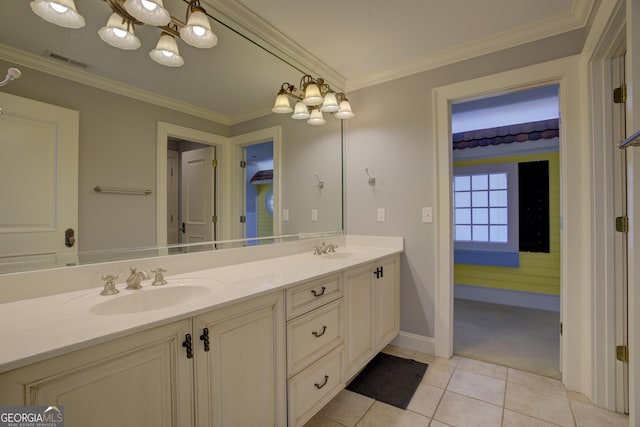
(135, 119)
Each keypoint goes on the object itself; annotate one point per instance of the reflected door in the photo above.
(39, 185)
(197, 212)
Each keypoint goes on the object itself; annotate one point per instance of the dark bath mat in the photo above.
(389, 379)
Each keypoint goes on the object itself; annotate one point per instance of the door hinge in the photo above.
(620, 95)
(622, 353)
(243, 164)
(214, 219)
(622, 224)
(243, 219)
(560, 328)
(214, 163)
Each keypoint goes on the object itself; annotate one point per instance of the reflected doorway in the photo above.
(191, 187)
(258, 190)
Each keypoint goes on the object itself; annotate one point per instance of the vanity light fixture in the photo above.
(313, 98)
(126, 14)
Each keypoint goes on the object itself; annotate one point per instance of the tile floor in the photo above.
(465, 392)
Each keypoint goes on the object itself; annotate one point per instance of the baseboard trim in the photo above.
(415, 342)
(508, 297)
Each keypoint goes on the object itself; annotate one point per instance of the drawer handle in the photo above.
(316, 294)
(319, 386)
(319, 334)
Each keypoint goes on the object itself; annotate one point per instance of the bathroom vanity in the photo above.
(260, 343)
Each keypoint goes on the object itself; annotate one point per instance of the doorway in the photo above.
(258, 198)
(506, 229)
(191, 192)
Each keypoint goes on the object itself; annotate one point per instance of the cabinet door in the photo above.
(144, 379)
(359, 329)
(387, 286)
(241, 380)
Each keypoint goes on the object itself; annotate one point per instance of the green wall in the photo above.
(538, 272)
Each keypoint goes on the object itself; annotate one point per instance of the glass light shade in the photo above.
(312, 95)
(316, 118)
(282, 105)
(345, 110)
(330, 103)
(59, 12)
(150, 12)
(166, 52)
(300, 112)
(118, 33)
(197, 32)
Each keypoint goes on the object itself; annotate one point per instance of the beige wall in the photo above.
(117, 148)
(392, 136)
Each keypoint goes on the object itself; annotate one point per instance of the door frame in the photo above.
(574, 172)
(166, 130)
(237, 143)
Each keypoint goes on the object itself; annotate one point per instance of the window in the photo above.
(485, 201)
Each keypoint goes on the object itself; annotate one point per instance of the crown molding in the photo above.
(237, 15)
(576, 18)
(44, 65)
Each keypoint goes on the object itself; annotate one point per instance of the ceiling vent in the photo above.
(66, 60)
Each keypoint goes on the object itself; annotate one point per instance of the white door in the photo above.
(197, 195)
(38, 185)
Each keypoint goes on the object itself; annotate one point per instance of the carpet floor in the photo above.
(515, 337)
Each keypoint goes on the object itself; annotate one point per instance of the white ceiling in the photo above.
(352, 43)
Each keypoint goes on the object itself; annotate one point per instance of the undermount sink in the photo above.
(151, 299)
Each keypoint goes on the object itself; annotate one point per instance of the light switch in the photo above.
(427, 214)
(314, 214)
(285, 214)
(381, 214)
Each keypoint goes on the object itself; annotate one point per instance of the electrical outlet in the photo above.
(314, 214)
(285, 214)
(381, 214)
(427, 214)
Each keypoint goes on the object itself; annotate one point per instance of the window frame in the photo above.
(512, 244)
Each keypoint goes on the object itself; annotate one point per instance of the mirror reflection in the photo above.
(134, 122)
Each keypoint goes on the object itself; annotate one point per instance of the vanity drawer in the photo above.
(310, 336)
(314, 387)
(308, 296)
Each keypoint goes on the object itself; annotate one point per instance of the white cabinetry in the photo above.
(142, 379)
(148, 378)
(314, 346)
(372, 311)
(240, 379)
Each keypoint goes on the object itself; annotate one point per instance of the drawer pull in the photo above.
(318, 294)
(319, 386)
(319, 334)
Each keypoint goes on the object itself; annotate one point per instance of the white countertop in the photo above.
(36, 329)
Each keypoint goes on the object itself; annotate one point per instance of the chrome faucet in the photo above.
(159, 277)
(134, 279)
(324, 249)
(109, 284)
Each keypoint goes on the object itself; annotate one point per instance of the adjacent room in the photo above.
(507, 230)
